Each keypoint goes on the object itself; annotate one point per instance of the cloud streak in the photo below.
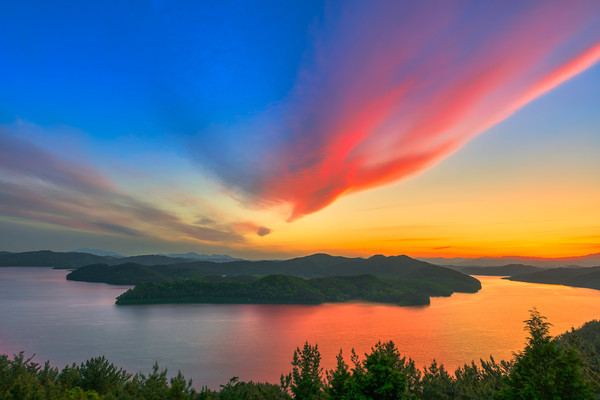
(391, 88)
(36, 185)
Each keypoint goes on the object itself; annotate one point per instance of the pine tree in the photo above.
(545, 371)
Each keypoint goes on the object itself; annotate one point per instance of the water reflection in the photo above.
(66, 321)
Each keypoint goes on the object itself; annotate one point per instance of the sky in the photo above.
(272, 129)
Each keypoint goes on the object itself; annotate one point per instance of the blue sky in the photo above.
(197, 125)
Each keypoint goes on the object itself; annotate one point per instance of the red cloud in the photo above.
(392, 90)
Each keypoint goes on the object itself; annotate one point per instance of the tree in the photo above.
(437, 384)
(101, 376)
(338, 380)
(305, 381)
(384, 375)
(480, 383)
(545, 371)
(235, 390)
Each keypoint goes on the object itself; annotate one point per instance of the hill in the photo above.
(47, 258)
(503, 270)
(577, 277)
(283, 289)
(133, 274)
(589, 260)
(71, 260)
(98, 252)
(205, 257)
(317, 265)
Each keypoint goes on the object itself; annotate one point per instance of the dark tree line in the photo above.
(566, 367)
(286, 289)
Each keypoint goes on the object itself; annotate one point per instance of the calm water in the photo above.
(65, 322)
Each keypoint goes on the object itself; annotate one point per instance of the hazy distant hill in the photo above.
(152, 259)
(589, 260)
(504, 270)
(131, 273)
(98, 252)
(205, 257)
(579, 277)
(47, 258)
(317, 265)
(306, 267)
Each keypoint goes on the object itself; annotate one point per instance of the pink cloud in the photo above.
(392, 88)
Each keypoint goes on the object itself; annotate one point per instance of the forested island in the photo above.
(306, 280)
(564, 367)
(284, 289)
(313, 266)
(159, 268)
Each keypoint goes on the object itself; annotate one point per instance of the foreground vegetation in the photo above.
(284, 289)
(566, 367)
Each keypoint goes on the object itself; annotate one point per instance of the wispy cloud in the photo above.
(391, 88)
(36, 185)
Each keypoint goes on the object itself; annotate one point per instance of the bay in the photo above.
(65, 322)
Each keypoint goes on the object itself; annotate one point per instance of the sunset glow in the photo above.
(433, 129)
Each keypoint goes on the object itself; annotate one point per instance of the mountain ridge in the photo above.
(313, 266)
(588, 260)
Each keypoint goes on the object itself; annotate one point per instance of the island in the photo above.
(314, 279)
(285, 289)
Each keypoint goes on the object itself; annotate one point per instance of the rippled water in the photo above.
(65, 322)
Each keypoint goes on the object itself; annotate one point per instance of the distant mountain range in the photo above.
(503, 270)
(98, 252)
(165, 268)
(47, 258)
(205, 257)
(578, 277)
(187, 256)
(86, 256)
(76, 259)
(590, 260)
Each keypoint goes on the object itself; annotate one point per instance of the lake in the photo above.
(65, 322)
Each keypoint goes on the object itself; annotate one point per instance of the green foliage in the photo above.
(480, 383)
(78, 393)
(338, 380)
(436, 383)
(384, 374)
(285, 289)
(101, 376)
(421, 277)
(236, 390)
(306, 378)
(545, 370)
(563, 368)
(585, 342)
